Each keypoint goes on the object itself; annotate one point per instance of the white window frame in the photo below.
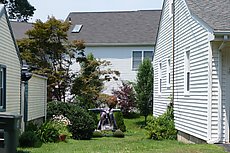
(159, 78)
(171, 8)
(142, 57)
(187, 74)
(3, 88)
(168, 74)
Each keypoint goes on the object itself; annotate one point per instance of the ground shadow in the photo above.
(140, 124)
(21, 151)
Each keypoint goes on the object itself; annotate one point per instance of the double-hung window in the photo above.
(168, 75)
(139, 56)
(159, 78)
(187, 72)
(171, 8)
(2, 88)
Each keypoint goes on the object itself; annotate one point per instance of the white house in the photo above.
(124, 38)
(10, 67)
(201, 68)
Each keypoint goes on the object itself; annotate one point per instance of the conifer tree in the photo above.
(144, 87)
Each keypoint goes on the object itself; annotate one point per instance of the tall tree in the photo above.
(48, 49)
(21, 10)
(89, 82)
(144, 87)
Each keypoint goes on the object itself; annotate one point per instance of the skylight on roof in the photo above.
(77, 28)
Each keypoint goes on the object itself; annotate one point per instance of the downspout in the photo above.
(173, 54)
(220, 90)
(25, 76)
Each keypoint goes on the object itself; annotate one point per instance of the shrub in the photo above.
(162, 127)
(126, 98)
(48, 132)
(29, 139)
(57, 108)
(82, 124)
(118, 134)
(97, 134)
(132, 115)
(120, 121)
(31, 126)
(61, 123)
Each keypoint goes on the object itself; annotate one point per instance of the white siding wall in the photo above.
(10, 58)
(224, 95)
(190, 110)
(37, 97)
(120, 58)
(163, 52)
(215, 90)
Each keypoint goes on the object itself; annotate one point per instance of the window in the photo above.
(168, 73)
(171, 8)
(149, 55)
(139, 56)
(2, 87)
(77, 28)
(187, 72)
(159, 78)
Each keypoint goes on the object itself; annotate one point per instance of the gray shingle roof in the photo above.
(216, 13)
(19, 29)
(135, 27)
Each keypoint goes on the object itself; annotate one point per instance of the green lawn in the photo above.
(134, 142)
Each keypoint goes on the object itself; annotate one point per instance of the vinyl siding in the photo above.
(37, 97)
(120, 58)
(10, 59)
(225, 96)
(162, 53)
(215, 91)
(191, 110)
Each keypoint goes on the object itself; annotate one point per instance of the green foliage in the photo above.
(120, 121)
(162, 127)
(48, 132)
(144, 87)
(31, 126)
(29, 139)
(89, 82)
(119, 134)
(97, 134)
(126, 98)
(21, 10)
(48, 50)
(82, 124)
(132, 115)
(59, 108)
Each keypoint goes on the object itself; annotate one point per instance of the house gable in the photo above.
(191, 114)
(10, 59)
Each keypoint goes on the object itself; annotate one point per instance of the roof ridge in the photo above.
(130, 11)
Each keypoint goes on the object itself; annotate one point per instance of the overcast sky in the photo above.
(60, 9)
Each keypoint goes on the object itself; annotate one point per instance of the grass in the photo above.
(134, 142)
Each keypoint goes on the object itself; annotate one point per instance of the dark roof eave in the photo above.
(119, 44)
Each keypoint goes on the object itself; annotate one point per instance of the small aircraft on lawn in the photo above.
(107, 120)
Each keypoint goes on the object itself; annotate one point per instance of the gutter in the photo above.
(119, 44)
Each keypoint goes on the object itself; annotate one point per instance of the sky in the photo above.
(45, 8)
